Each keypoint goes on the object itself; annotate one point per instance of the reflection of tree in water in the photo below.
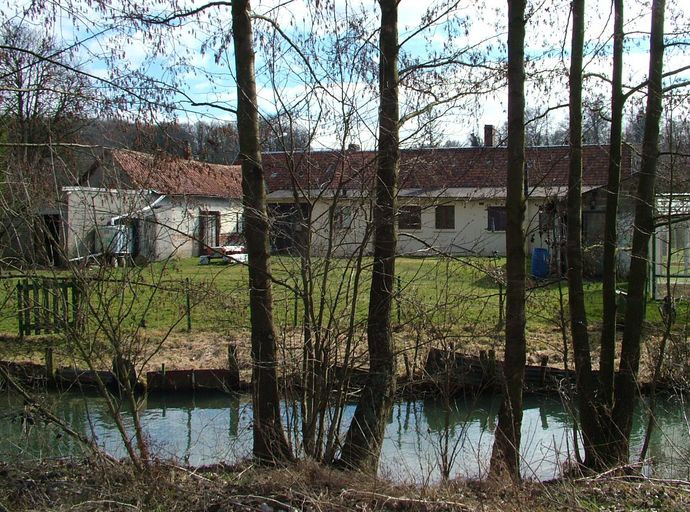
(26, 434)
(482, 410)
(669, 451)
(184, 425)
(198, 418)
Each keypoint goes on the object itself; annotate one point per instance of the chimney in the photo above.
(489, 135)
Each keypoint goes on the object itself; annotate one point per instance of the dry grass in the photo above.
(199, 349)
(87, 486)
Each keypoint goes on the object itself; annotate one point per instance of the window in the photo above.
(547, 218)
(593, 227)
(445, 217)
(239, 223)
(209, 228)
(342, 217)
(496, 216)
(410, 217)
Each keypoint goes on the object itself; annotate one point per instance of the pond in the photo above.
(209, 428)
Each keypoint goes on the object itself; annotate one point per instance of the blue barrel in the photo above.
(540, 262)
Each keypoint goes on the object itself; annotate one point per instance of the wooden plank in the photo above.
(27, 307)
(63, 303)
(20, 308)
(75, 305)
(468, 371)
(36, 319)
(45, 310)
(55, 306)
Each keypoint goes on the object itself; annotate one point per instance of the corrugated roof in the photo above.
(436, 169)
(177, 176)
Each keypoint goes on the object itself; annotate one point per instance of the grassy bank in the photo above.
(148, 311)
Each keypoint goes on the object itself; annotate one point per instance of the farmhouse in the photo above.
(451, 200)
(150, 207)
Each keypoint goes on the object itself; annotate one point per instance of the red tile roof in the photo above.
(176, 176)
(318, 170)
(423, 169)
(438, 168)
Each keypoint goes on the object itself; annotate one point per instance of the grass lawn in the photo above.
(439, 303)
(444, 293)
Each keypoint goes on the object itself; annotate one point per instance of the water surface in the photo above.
(421, 434)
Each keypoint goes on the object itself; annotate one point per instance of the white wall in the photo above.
(179, 224)
(167, 230)
(469, 236)
(90, 207)
(343, 240)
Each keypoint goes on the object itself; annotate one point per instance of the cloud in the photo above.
(197, 56)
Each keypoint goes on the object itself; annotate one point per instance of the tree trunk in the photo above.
(626, 380)
(599, 446)
(270, 443)
(362, 446)
(506, 449)
(608, 327)
(591, 430)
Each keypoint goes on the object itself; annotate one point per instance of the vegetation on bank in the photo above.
(83, 485)
(439, 302)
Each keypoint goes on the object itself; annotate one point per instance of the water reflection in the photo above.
(209, 428)
(425, 433)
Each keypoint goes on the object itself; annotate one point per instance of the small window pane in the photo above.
(342, 217)
(410, 217)
(445, 217)
(496, 218)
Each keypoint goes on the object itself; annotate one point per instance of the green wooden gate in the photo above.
(47, 305)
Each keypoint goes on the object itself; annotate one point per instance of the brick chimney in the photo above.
(489, 135)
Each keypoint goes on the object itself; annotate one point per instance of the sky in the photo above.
(334, 93)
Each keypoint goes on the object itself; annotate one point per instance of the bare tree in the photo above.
(362, 446)
(270, 443)
(41, 99)
(626, 380)
(608, 326)
(578, 315)
(506, 449)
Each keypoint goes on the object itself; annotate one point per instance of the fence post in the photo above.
(189, 305)
(54, 311)
(542, 370)
(46, 320)
(50, 366)
(233, 365)
(76, 297)
(500, 304)
(20, 308)
(397, 302)
(294, 313)
(34, 305)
